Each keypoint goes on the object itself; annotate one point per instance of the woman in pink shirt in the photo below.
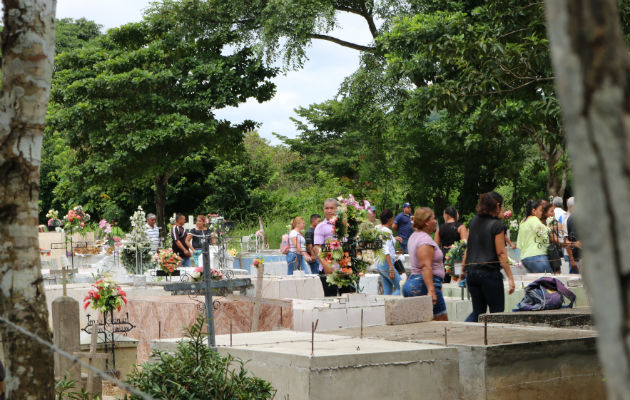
(427, 268)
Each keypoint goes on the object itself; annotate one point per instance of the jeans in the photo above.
(414, 286)
(295, 262)
(403, 245)
(486, 291)
(186, 261)
(390, 286)
(537, 264)
(314, 267)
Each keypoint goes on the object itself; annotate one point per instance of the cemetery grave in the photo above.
(268, 318)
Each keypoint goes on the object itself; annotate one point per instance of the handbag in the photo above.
(399, 266)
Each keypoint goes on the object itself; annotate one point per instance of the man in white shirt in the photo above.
(153, 232)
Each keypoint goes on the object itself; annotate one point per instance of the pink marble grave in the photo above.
(166, 317)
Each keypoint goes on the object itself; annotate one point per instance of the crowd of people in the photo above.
(416, 233)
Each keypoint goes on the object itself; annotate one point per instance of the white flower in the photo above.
(514, 224)
(195, 274)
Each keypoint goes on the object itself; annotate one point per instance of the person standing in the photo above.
(427, 267)
(309, 236)
(449, 232)
(533, 239)
(574, 245)
(194, 239)
(403, 227)
(485, 256)
(178, 235)
(323, 232)
(297, 248)
(385, 266)
(153, 232)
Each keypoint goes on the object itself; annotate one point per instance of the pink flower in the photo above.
(366, 204)
(507, 214)
(199, 269)
(334, 245)
(102, 223)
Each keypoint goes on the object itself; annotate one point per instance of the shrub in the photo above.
(197, 372)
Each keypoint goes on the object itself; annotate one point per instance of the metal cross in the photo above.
(206, 287)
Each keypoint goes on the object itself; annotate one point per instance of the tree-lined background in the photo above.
(451, 99)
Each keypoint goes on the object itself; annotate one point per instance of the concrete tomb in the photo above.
(334, 367)
(517, 363)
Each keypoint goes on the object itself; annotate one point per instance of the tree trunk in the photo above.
(28, 49)
(591, 65)
(160, 202)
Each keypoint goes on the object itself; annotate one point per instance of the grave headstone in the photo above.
(65, 316)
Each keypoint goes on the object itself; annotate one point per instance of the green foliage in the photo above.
(137, 105)
(197, 372)
(73, 34)
(65, 389)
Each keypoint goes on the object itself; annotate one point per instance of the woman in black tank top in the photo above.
(450, 232)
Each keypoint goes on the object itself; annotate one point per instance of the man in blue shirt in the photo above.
(403, 226)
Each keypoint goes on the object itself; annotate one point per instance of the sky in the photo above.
(317, 81)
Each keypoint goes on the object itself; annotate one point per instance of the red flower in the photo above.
(119, 308)
(86, 305)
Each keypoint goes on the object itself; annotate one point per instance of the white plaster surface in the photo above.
(342, 367)
(338, 312)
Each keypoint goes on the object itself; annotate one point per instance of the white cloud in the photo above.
(329, 64)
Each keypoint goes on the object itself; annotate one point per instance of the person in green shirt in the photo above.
(533, 239)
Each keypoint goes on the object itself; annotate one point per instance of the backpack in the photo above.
(284, 247)
(545, 293)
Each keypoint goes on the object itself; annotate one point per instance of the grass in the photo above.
(274, 229)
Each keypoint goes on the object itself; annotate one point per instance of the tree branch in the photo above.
(342, 42)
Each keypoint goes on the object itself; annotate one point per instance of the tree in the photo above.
(486, 66)
(28, 48)
(591, 62)
(138, 105)
(69, 35)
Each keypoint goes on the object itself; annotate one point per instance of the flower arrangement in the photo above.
(136, 242)
(167, 260)
(454, 255)
(356, 243)
(258, 262)
(105, 295)
(106, 232)
(215, 274)
(53, 218)
(75, 220)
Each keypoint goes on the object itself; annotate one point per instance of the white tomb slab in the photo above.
(342, 367)
(338, 312)
(289, 287)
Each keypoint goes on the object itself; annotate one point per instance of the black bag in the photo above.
(400, 267)
(554, 251)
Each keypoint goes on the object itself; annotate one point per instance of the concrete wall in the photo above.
(373, 376)
(556, 369)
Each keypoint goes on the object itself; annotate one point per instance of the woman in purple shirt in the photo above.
(427, 268)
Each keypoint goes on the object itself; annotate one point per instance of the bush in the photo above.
(197, 372)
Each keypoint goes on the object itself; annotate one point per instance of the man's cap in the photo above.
(406, 205)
